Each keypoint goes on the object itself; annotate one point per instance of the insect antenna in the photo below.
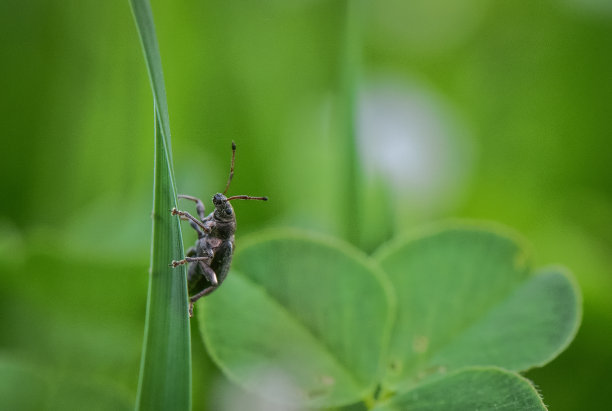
(246, 198)
(231, 175)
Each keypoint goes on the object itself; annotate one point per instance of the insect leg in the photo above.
(209, 273)
(199, 295)
(191, 260)
(197, 228)
(184, 215)
(199, 204)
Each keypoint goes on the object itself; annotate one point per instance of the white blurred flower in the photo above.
(271, 384)
(409, 137)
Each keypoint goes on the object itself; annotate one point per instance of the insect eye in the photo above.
(228, 211)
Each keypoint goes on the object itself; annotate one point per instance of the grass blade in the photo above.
(165, 371)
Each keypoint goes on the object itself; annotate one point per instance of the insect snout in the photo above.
(219, 200)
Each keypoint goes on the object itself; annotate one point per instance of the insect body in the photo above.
(209, 260)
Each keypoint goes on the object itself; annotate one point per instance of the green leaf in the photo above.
(300, 312)
(466, 297)
(165, 372)
(469, 389)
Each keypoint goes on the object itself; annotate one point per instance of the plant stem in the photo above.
(348, 93)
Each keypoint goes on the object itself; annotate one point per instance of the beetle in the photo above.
(210, 258)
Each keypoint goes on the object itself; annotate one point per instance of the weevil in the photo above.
(210, 258)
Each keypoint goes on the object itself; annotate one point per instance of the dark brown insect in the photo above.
(210, 259)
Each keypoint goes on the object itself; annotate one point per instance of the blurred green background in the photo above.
(474, 109)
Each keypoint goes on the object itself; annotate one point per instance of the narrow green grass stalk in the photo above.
(348, 93)
(165, 370)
